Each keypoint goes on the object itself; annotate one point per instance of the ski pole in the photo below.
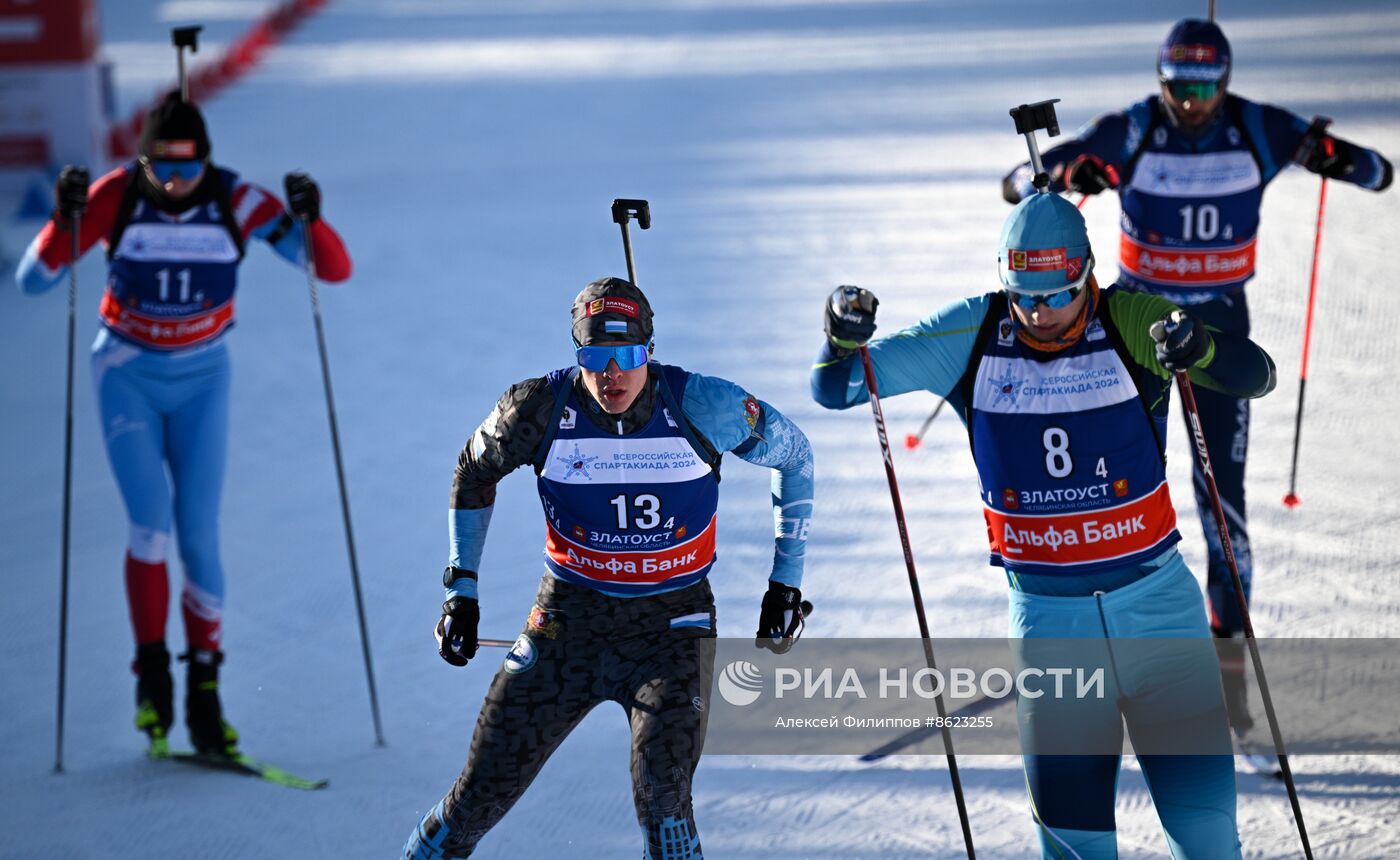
(1188, 402)
(622, 208)
(913, 440)
(871, 388)
(76, 226)
(340, 470)
(1291, 499)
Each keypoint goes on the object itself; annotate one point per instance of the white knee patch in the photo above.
(201, 603)
(148, 545)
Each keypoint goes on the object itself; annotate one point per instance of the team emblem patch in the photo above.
(751, 410)
(1120, 487)
(613, 305)
(544, 622)
(576, 464)
(1037, 260)
(522, 656)
(680, 532)
(1009, 500)
(1008, 387)
(580, 533)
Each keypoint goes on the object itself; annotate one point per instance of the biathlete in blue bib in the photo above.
(1190, 166)
(627, 454)
(175, 226)
(1063, 389)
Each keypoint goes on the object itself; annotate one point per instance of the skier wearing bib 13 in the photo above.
(627, 455)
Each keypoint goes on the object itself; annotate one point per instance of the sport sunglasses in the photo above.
(166, 170)
(1055, 301)
(1198, 90)
(629, 356)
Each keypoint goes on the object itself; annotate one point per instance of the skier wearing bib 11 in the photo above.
(175, 226)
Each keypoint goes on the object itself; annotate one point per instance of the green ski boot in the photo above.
(210, 734)
(155, 709)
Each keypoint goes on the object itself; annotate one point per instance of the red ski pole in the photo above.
(918, 597)
(1291, 499)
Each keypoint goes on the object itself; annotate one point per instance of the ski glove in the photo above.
(1088, 174)
(780, 620)
(1330, 158)
(850, 318)
(303, 196)
(457, 630)
(70, 193)
(1182, 341)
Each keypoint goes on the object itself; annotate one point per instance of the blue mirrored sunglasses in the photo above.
(166, 170)
(1054, 301)
(629, 356)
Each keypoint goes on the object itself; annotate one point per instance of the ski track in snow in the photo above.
(468, 153)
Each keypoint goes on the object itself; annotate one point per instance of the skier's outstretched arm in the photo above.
(1219, 361)
(259, 213)
(46, 260)
(1283, 138)
(930, 355)
(1099, 142)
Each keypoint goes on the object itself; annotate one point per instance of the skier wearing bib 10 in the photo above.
(1190, 166)
(627, 454)
(1063, 389)
(175, 226)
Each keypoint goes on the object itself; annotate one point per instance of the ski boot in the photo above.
(1256, 756)
(209, 733)
(155, 708)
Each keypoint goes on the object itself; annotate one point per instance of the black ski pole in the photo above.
(75, 224)
(918, 596)
(1188, 402)
(340, 470)
(621, 209)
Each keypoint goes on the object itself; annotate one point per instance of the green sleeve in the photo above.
(1233, 364)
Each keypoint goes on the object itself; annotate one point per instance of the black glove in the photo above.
(850, 317)
(1182, 340)
(1329, 157)
(1088, 174)
(456, 630)
(303, 196)
(70, 192)
(780, 619)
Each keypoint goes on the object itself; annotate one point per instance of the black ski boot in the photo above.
(155, 708)
(209, 734)
(1231, 649)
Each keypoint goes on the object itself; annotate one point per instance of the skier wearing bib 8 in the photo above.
(1063, 387)
(1190, 166)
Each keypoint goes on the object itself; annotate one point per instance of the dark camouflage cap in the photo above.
(611, 309)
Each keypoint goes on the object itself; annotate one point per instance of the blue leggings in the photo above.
(1162, 687)
(165, 424)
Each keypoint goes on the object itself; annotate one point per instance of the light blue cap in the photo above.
(1044, 247)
